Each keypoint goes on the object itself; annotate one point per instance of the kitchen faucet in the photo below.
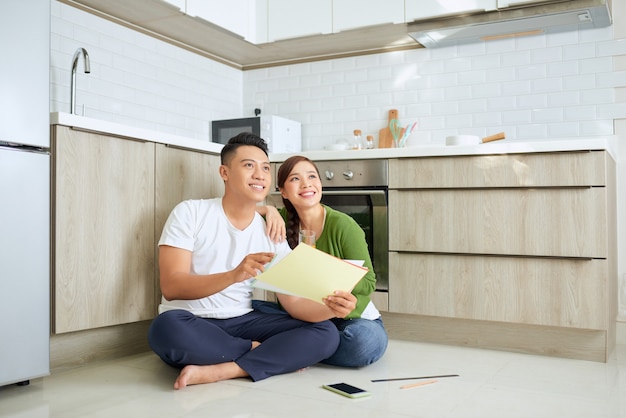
(87, 69)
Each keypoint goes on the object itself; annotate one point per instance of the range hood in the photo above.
(508, 23)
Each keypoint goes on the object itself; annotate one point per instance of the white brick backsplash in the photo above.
(515, 59)
(485, 62)
(515, 88)
(458, 121)
(562, 99)
(501, 74)
(473, 106)
(564, 129)
(472, 77)
(529, 72)
(596, 127)
(528, 131)
(546, 115)
(580, 113)
(597, 96)
(613, 111)
(555, 69)
(579, 51)
(579, 82)
(137, 80)
(596, 65)
(500, 46)
(614, 79)
(547, 85)
(612, 48)
(458, 92)
(546, 55)
(515, 117)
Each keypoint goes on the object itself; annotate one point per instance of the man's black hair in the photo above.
(244, 138)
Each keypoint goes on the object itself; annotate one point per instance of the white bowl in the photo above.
(336, 147)
(463, 140)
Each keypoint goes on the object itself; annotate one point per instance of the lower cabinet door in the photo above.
(540, 291)
(103, 230)
(561, 222)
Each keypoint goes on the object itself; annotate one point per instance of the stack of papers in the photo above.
(310, 273)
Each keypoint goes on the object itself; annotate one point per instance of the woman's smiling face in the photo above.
(303, 187)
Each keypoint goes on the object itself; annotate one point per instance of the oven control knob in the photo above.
(348, 175)
(329, 175)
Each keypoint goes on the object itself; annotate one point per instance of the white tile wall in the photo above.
(558, 85)
(137, 80)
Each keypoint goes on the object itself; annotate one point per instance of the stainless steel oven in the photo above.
(358, 188)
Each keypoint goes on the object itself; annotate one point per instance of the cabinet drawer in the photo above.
(530, 222)
(555, 292)
(565, 169)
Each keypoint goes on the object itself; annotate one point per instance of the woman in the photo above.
(363, 339)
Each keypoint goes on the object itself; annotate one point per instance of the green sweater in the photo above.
(342, 237)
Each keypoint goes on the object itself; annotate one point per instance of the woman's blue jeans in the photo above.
(361, 341)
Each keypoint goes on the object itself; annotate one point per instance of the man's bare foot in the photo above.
(194, 375)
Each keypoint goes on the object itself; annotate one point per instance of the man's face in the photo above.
(248, 174)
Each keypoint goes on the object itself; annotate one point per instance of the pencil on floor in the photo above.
(414, 385)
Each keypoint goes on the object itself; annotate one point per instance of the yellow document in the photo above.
(310, 273)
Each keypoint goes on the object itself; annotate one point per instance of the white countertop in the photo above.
(111, 128)
(506, 146)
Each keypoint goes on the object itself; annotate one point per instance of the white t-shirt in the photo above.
(201, 226)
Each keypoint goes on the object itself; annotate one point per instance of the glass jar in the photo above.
(369, 142)
(357, 143)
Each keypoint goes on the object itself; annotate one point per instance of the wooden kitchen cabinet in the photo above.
(103, 188)
(517, 248)
(183, 174)
(112, 196)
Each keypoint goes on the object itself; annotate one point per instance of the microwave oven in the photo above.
(282, 135)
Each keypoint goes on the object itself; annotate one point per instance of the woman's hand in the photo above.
(341, 303)
(275, 224)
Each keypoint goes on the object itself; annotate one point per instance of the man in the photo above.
(208, 253)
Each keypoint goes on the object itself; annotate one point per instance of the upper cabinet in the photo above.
(513, 3)
(235, 32)
(249, 21)
(419, 9)
(297, 18)
(351, 14)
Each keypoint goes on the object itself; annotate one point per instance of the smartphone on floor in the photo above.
(347, 390)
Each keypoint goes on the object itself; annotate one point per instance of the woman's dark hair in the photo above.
(293, 220)
(244, 138)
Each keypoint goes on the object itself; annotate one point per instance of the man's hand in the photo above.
(251, 266)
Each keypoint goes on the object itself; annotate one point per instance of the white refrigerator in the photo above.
(24, 190)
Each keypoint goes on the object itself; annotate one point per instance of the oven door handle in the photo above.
(378, 197)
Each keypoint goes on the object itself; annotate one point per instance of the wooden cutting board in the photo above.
(385, 138)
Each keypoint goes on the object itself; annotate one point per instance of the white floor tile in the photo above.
(490, 384)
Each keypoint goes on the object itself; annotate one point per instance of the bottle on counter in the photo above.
(369, 142)
(357, 143)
